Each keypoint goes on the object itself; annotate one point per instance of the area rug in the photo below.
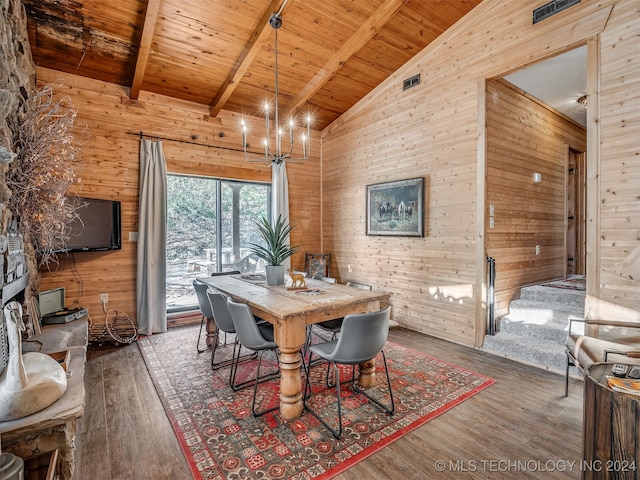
(221, 439)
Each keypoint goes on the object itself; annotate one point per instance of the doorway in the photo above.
(536, 163)
(535, 214)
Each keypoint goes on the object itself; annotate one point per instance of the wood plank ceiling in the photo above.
(220, 53)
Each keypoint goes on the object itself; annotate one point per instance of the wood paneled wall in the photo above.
(111, 156)
(523, 137)
(616, 210)
(437, 130)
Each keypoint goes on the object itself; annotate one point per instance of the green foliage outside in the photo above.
(191, 214)
(191, 229)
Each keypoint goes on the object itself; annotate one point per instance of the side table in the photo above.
(611, 429)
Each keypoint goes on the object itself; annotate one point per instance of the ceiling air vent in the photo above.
(551, 8)
(411, 82)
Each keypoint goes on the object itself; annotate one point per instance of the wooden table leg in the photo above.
(367, 376)
(290, 335)
(290, 384)
(212, 333)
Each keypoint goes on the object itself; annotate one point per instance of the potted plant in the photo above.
(276, 250)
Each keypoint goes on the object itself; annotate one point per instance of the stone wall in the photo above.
(17, 84)
(17, 74)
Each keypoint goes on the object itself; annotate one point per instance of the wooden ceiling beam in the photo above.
(367, 30)
(150, 16)
(244, 61)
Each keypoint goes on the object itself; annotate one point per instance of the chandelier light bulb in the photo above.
(244, 135)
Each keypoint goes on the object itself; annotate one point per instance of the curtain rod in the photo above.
(159, 137)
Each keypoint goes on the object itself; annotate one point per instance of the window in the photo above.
(209, 227)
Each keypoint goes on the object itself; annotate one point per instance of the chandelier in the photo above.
(274, 150)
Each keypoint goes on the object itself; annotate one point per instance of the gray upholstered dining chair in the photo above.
(333, 326)
(250, 335)
(324, 279)
(362, 338)
(207, 322)
(224, 322)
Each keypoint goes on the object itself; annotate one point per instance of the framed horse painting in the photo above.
(396, 208)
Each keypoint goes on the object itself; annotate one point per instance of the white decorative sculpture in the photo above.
(31, 381)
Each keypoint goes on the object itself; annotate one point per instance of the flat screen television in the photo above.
(97, 226)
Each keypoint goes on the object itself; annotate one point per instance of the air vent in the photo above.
(411, 82)
(551, 8)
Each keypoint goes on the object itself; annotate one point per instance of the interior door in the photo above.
(576, 214)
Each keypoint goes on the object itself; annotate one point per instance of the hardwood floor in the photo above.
(520, 427)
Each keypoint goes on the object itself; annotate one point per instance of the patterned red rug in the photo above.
(221, 439)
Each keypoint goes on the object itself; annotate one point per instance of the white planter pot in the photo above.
(275, 274)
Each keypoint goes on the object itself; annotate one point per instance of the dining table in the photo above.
(291, 310)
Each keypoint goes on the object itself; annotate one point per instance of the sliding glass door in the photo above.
(209, 227)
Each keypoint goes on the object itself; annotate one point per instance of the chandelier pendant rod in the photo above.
(278, 128)
(276, 155)
(279, 156)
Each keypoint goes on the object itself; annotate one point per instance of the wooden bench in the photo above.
(198, 265)
(55, 426)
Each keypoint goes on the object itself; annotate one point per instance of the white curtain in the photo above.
(280, 196)
(152, 230)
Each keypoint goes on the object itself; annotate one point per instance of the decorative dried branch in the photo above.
(47, 164)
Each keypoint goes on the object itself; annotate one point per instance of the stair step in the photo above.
(554, 296)
(536, 312)
(550, 332)
(535, 330)
(530, 350)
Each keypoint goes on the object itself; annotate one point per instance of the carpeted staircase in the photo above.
(535, 330)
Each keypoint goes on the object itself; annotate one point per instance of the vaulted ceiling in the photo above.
(220, 53)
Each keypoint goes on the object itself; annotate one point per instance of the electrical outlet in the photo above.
(537, 249)
(104, 298)
(350, 268)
